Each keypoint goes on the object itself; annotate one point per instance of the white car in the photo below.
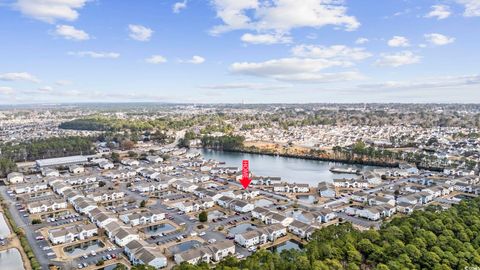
(211, 241)
(201, 234)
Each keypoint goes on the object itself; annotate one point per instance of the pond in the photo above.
(241, 228)
(4, 229)
(11, 259)
(83, 248)
(310, 199)
(112, 267)
(290, 244)
(263, 203)
(292, 170)
(184, 246)
(160, 228)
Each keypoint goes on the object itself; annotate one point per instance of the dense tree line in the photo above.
(430, 239)
(7, 166)
(227, 142)
(46, 148)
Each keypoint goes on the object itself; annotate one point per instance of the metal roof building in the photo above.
(62, 161)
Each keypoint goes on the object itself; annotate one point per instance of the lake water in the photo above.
(4, 229)
(290, 244)
(292, 170)
(11, 259)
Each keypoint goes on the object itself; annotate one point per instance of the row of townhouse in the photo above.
(122, 173)
(83, 205)
(140, 252)
(116, 232)
(350, 183)
(72, 233)
(145, 187)
(374, 213)
(46, 206)
(185, 186)
(143, 218)
(269, 217)
(236, 205)
(106, 195)
(80, 180)
(260, 236)
(30, 187)
(224, 170)
(210, 253)
(291, 188)
(302, 229)
(194, 206)
(266, 180)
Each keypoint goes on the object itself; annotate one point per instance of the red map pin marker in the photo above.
(245, 181)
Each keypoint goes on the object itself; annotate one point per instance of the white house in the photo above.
(72, 233)
(15, 177)
(45, 206)
(124, 236)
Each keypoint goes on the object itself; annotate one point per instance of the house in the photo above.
(193, 256)
(324, 215)
(30, 187)
(350, 183)
(84, 205)
(187, 206)
(251, 238)
(112, 228)
(130, 162)
(266, 180)
(103, 219)
(142, 218)
(291, 188)
(241, 206)
(185, 186)
(48, 172)
(123, 236)
(276, 218)
(154, 159)
(72, 233)
(360, 196)
(221, 249)
(260, 213)
(405, 208)
(224, 201)
(301, 229)
(275, 231)
(106, 165)
(76, 169)
(45, 206)
(15, 177)
(326, 190)
(149, 255)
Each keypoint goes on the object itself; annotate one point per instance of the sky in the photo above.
(233, 51)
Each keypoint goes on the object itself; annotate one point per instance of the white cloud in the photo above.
(265, 38)
(70, 32)
(439, 11)
(140, 32)
(398, 59)
(439, 39)
(45, 89)
(427, 83)
(281, 15)
(294, 69)
(4, 90)
(472, 7)
(398, 41)
(18, 76)
(336, 51)
(361, 41)
(178, 6)
(50, 10)
(63, 82)
(92, 54)
(250, 86)
(156, 59)
(195, 60)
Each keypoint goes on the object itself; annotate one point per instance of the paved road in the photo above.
(23, 222)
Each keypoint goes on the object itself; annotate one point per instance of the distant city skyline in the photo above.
(232, 51)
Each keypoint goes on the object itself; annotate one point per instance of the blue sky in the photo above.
(254, 51)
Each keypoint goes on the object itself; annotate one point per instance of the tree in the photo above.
(203, 216)
(132, 154)
(101, 183)
(127, 144)
(143, 203)
(115, 157)
(36, 221)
